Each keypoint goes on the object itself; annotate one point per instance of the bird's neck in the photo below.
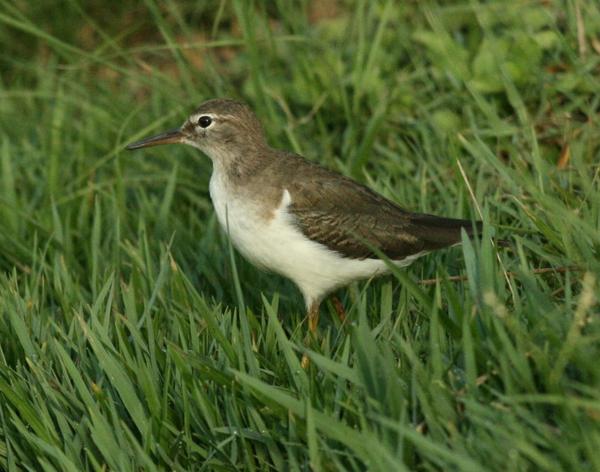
(240, 165)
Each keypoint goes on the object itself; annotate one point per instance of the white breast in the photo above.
(277, 244)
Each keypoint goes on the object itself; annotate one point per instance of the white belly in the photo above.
(277, 244)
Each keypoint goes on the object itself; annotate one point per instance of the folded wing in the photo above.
(350, 218)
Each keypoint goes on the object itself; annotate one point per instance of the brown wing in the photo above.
(348, 218)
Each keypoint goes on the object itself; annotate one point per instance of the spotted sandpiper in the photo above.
(294, 217)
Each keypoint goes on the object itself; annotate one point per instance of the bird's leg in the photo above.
(339, 308)
(313, 322)
(313, 317)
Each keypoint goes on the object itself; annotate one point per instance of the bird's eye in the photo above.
(204, 121)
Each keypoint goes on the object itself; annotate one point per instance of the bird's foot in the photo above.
(339, 308)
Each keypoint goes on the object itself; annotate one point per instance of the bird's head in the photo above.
(221, 128)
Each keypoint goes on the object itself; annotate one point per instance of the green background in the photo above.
(132, 337)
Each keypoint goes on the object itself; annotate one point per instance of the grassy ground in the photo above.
(133, 338)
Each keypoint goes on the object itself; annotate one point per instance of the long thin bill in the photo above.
(168, 137)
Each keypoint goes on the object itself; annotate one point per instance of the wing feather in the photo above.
(348, 217)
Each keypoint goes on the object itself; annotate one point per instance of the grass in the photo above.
(132, 337)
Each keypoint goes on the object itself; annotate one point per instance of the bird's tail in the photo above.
(442, 232)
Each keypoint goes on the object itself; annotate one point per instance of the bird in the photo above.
(294, 217)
